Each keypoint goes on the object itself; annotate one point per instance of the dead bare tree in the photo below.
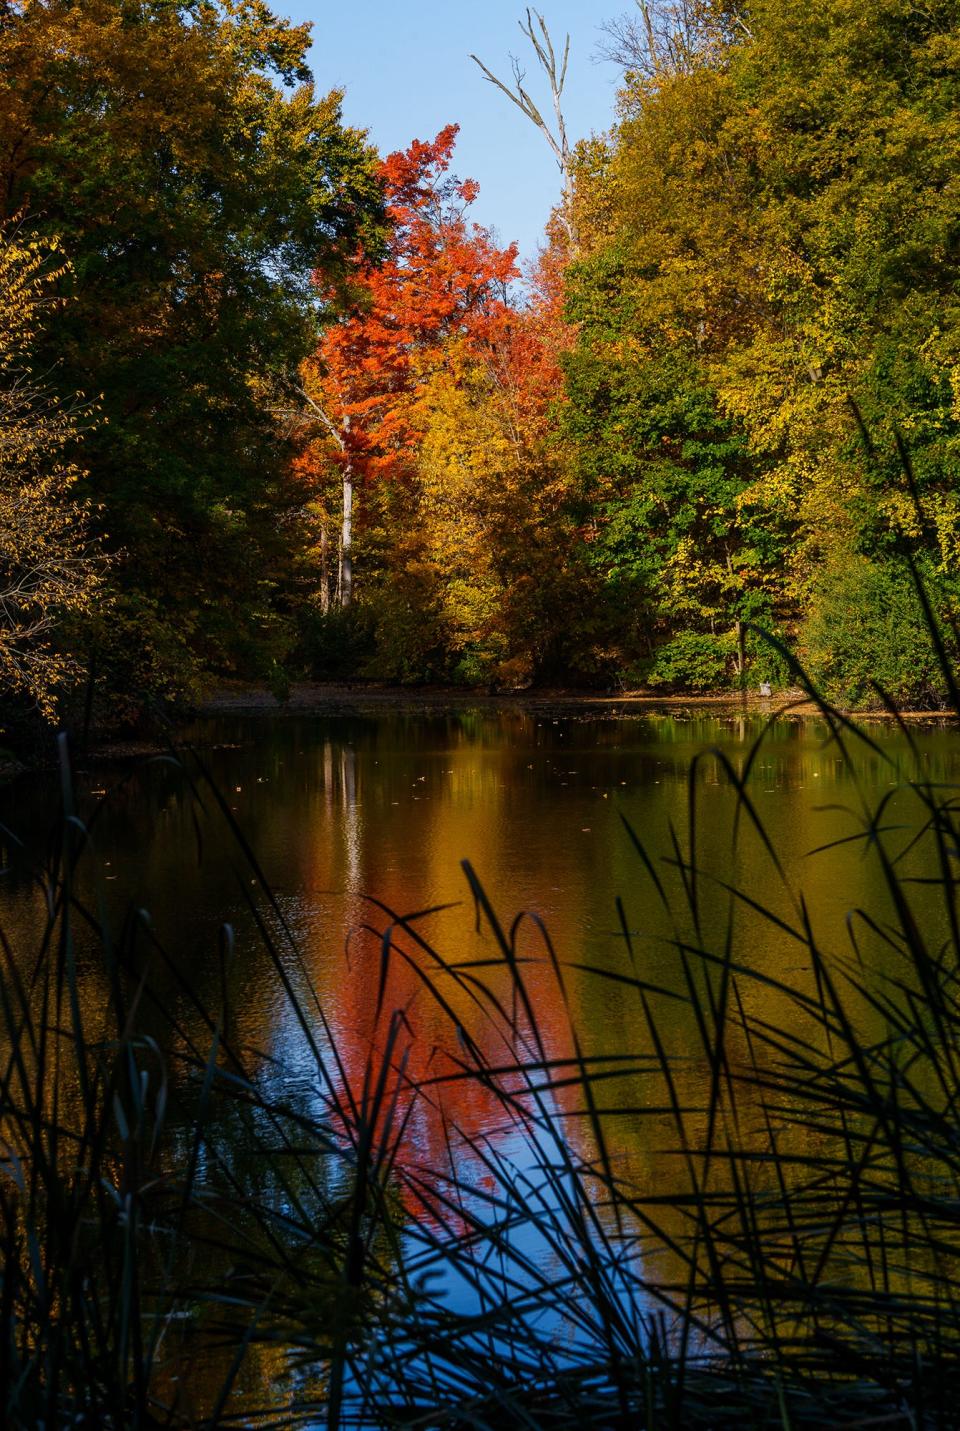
(535, 30)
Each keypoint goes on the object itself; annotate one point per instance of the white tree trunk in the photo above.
(346, 540)
(324, 568)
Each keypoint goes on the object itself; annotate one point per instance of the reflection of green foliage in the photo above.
(298, 1222)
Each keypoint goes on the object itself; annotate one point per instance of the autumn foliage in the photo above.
(442, 278)
(433, 396)
(178, 153)
(49, 568)
(341, 433)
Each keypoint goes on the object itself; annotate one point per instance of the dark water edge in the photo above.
(386, 802)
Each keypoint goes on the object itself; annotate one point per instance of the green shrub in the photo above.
(335, 645)
(693, 661)
(866, 625)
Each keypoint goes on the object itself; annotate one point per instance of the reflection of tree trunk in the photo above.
(328, 777)
(351, 818)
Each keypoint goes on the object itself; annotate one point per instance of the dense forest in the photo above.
(273, 406)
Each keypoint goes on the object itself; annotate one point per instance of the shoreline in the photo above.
(332, 698)
(315, 698)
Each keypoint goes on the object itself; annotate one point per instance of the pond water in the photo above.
(352, 816)
(387, 805)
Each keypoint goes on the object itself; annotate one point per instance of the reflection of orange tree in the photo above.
(470, 1045)
(463, 1035)
(830, 1234)
(445, 1057)
(474, 1089)
(442, 1055)
(473, 1059)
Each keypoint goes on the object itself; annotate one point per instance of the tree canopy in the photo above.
(338, 432)
(769, 239)
(195, 181)
(49, 569)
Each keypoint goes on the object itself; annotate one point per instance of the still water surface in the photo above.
(351, 816)
(339, 808)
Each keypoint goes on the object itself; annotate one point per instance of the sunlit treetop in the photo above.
(440, 277)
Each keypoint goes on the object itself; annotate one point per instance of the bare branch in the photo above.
(535, 30)
(669, 37)
(316, 411)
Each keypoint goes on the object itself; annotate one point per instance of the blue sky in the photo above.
(407, 72)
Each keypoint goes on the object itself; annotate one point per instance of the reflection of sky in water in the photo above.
(387, 805)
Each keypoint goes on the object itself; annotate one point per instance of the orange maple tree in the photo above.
(442, 277)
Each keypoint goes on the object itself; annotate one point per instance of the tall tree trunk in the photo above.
(324, 568)
(341, 436)
(345, 583)
(346, 540)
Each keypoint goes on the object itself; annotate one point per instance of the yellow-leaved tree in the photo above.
(49, 570)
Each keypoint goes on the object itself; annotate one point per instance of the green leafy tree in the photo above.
(196, 181)
(684, 554)
(769, 232)
(866, 627)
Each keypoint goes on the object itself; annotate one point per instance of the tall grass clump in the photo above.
(749, 1217)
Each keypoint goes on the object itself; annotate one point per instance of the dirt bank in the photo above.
(328, 698)
(322, 698)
